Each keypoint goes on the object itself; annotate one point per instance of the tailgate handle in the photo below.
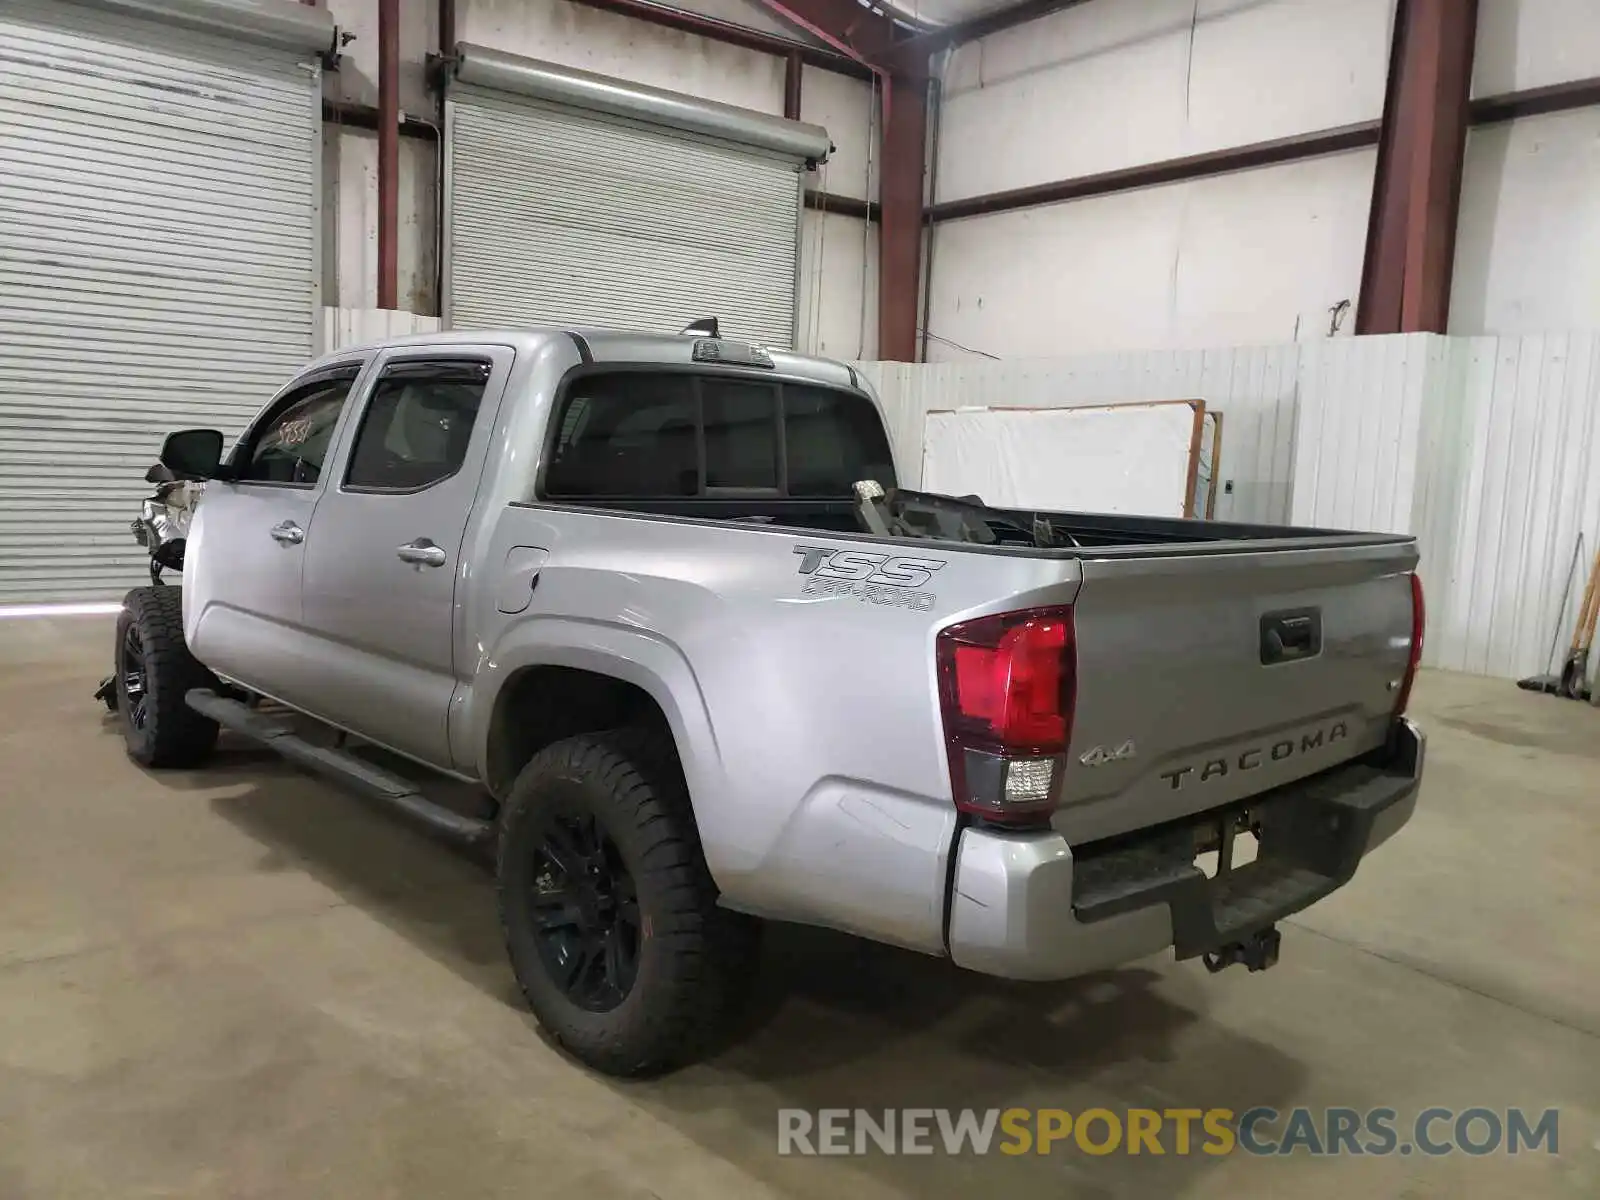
(1294, 634)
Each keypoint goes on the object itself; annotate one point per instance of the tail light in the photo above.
(1418, 625)
(1007, 686)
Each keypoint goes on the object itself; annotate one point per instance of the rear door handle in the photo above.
(288, 534)
(422, 553)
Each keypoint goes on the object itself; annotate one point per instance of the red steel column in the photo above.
(1416, 194)
(388, 153)
(793, 69)
(905, 132)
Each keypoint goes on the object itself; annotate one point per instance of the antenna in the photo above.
(704, 327)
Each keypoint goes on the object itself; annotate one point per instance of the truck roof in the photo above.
(608, 345)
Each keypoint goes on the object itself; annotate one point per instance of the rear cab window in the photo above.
(631, 434)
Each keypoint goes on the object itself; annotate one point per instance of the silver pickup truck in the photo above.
(661, 599)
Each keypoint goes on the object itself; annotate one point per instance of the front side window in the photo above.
(666, 435)
(291, 444)
(417, 426)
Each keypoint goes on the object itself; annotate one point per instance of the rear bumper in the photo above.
(1024, 906)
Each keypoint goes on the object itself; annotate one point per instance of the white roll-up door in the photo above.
(558, 214)
(158, 255)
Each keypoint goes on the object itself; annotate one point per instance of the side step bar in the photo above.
(339, 766)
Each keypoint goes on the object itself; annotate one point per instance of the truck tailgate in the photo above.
(1205, 678)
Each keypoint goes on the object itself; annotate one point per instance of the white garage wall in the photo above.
(1528, 243)
(848, 109)
(1532, 43)
(838, 286)
(340, 327)
(350, 220)
(357, 77)
(1254, 256)
(1109, 84)
(1259, 256)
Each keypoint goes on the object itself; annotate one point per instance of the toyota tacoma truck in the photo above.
(662, 601)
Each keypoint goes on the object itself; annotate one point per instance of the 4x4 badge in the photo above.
(1099, 756)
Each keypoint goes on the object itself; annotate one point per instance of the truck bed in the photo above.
(1079, 534)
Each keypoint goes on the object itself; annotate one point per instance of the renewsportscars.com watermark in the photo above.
(1176, 1131)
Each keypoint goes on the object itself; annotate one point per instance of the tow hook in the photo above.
(1257, 952)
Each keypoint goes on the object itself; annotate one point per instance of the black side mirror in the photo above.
(159, 473)
(193, 453)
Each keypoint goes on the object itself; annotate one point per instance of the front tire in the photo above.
(609, 912)
(154, 672)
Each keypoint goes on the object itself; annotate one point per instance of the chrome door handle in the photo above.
(422, 553)
(288, 534)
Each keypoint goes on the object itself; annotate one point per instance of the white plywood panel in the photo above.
(1117, 459)
(1253, 386)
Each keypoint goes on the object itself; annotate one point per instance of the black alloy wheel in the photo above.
(586, 913)
(133, 679)
(610, 914)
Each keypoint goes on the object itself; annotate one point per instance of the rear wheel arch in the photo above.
(544, 703)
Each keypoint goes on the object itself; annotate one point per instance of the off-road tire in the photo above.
(695, 960)
(168, 733)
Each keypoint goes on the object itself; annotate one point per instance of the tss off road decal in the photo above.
(868, 575)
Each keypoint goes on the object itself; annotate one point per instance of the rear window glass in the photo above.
(741, 422)
(833, 439)
(660, 435)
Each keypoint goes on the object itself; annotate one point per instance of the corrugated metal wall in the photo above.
(1254, 387)
(157, 268)
(1486, 448)
(1528, 474)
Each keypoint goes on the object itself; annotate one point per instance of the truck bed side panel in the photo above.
(821, 784)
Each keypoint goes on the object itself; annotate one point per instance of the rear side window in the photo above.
(417, 426)
(662, 435)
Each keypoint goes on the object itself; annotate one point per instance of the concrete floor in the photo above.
(241, 983)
